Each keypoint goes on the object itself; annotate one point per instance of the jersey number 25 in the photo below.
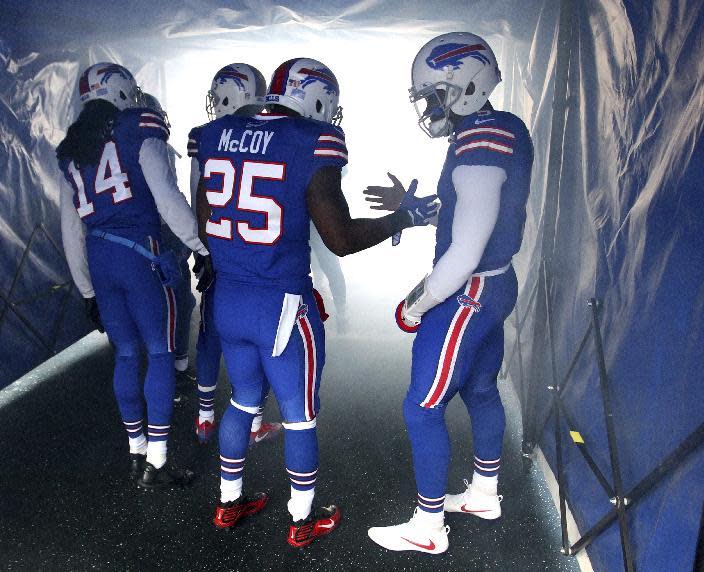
(246, 200)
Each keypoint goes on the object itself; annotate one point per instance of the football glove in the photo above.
(94, 314)
(203, 269)
(420, 209)
(403, 322)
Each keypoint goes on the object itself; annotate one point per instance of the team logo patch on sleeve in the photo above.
(468, 302)
(453, 54)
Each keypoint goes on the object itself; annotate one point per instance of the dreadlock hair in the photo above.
(86, 136)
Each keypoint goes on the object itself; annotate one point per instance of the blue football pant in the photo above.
(137, 312)
(185, 301)
(246, 318)
(458, 349)
(209, 351)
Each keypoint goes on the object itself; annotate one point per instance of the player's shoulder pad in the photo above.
(329, 140)
(493, 131)
(194, 140)
(143, 122)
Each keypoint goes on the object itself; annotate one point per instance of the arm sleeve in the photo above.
(171, 204)
(478, 189)
(73, 236)
(195, 178)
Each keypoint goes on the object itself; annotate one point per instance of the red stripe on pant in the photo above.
(453, 346)
(309, 347)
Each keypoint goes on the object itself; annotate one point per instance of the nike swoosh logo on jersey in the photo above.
(480, 121)
(430, 546)
(467, 510)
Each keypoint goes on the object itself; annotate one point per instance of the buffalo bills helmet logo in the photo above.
(453, 54)
(469, 302)
(322, 75)
(302, 311)
(113, 69)
(231, 73)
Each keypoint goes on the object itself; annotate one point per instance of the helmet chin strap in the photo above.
(440, 127)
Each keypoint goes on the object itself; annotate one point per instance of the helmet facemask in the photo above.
(439, 97)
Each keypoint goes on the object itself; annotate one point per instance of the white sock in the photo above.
(204, 416)
(156, 453)
(257, 422)
(300, 504)
(487, 485)
(181, 364)
(230, 490)
(138, 445)
(431, 519)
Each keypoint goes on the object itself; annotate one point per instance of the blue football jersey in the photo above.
(498, 139)
(256, 171)
(113, 194)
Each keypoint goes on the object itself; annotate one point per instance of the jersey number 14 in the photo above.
(246, 200)
(109, 176)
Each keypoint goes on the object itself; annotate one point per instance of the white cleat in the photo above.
(416, 534)
(476, 502)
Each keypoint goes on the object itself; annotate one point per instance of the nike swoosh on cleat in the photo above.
(327, 525)
(467, 510)
(258, 438)
(430, 546)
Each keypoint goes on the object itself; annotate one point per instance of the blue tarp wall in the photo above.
(614, 105)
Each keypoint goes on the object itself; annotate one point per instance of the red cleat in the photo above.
(323, 521)
(266, 431)
(230, 513)
(205, 431)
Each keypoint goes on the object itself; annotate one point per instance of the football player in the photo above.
(263, 180)
(237, 89)
(185, 301)
(458, 310)
(117, 184)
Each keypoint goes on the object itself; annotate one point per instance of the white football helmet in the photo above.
(235, 86)
(308, 87)
(111, 82)
(151, 102)
(453, 72)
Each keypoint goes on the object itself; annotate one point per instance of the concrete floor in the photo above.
(66, 502)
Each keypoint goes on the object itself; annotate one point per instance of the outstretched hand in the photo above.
(385, 198)
(421, 210)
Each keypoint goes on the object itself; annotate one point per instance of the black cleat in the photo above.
(137, 461)
(165, 478)
(229, 513)
(185, 379)
(319, 523)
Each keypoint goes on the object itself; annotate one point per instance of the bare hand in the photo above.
(386, 198)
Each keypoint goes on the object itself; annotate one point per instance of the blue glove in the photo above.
(420, 209)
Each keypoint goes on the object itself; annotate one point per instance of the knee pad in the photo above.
(419, 416)
(300, 425)
(483, 396)
(126, 351)
(251, 409)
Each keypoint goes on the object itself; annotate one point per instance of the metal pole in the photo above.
(620, 500)
(555, 390)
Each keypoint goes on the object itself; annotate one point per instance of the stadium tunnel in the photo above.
(603, 359)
